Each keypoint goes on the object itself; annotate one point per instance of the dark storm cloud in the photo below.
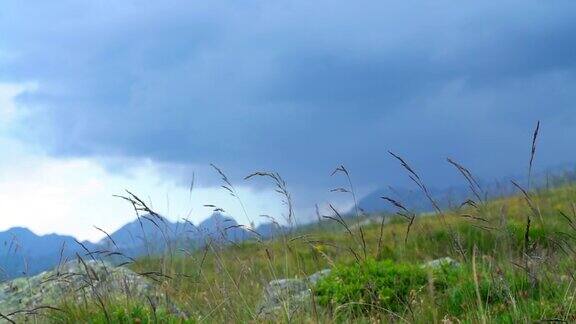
(297, 86)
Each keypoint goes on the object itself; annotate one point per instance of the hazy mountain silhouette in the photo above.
(23, 252)
(453, 196)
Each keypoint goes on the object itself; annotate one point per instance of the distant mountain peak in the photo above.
(217, 219)
(20, 231)
(28, 253)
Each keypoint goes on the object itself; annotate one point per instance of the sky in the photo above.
(101, 96)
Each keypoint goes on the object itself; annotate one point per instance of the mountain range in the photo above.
(454, 196)
(22, 252)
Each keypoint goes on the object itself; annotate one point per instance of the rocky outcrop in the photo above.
(79, 282)
(288, 295)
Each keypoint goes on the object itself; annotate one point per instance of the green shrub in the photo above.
(371, 286)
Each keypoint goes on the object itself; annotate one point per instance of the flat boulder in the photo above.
(288, 295)
(79, 282)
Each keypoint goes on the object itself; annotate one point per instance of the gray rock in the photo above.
(282, 293)
(78, 282)
(288, 295)
(442, 262)
(313, 279)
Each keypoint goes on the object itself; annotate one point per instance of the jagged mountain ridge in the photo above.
(25, 253)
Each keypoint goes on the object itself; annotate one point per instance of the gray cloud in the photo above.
(297, 86)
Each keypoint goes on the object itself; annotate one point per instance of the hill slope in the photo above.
(488, 239)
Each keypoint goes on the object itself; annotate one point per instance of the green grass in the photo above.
(225, 283)
(116, 313)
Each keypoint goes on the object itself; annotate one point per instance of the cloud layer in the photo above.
(297, 86)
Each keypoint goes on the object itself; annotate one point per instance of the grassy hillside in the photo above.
(506, 274)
